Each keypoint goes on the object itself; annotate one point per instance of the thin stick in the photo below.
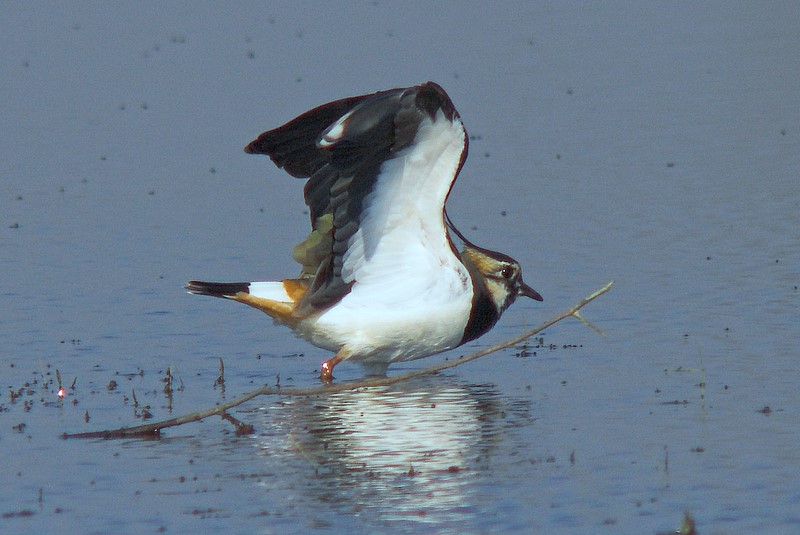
(154, 429)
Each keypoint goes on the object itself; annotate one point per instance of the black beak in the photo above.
(527, 291)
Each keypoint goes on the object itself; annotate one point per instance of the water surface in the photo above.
(656, 146)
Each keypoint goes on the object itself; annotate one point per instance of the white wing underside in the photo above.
(400, 260)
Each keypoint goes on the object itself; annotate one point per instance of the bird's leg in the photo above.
(326, 374)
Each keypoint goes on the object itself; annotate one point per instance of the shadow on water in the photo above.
(403, 452)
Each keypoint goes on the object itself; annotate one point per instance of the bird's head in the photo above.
(501, 275)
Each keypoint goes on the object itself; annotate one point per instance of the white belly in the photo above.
(385, 324)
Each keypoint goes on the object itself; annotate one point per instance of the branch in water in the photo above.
(154, 429)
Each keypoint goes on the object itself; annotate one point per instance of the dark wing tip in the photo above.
(432, 97)
(293, 146)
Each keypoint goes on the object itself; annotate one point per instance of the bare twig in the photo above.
(220, 380)
(154, 429)
(242, 428)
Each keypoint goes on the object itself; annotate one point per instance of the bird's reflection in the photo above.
(409, 450)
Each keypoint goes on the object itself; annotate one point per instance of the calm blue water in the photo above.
(657, 146)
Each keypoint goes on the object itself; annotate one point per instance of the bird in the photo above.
(386, 277)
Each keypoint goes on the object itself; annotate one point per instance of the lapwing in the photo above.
(386, 277)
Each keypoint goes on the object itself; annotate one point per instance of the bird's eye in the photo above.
(507, 272)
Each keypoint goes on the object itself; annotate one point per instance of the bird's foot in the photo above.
(326, 374)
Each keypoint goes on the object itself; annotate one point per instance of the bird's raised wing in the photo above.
(381, 167)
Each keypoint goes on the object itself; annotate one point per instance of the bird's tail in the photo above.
(287, 291)
(218, 289)
(276, 298)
